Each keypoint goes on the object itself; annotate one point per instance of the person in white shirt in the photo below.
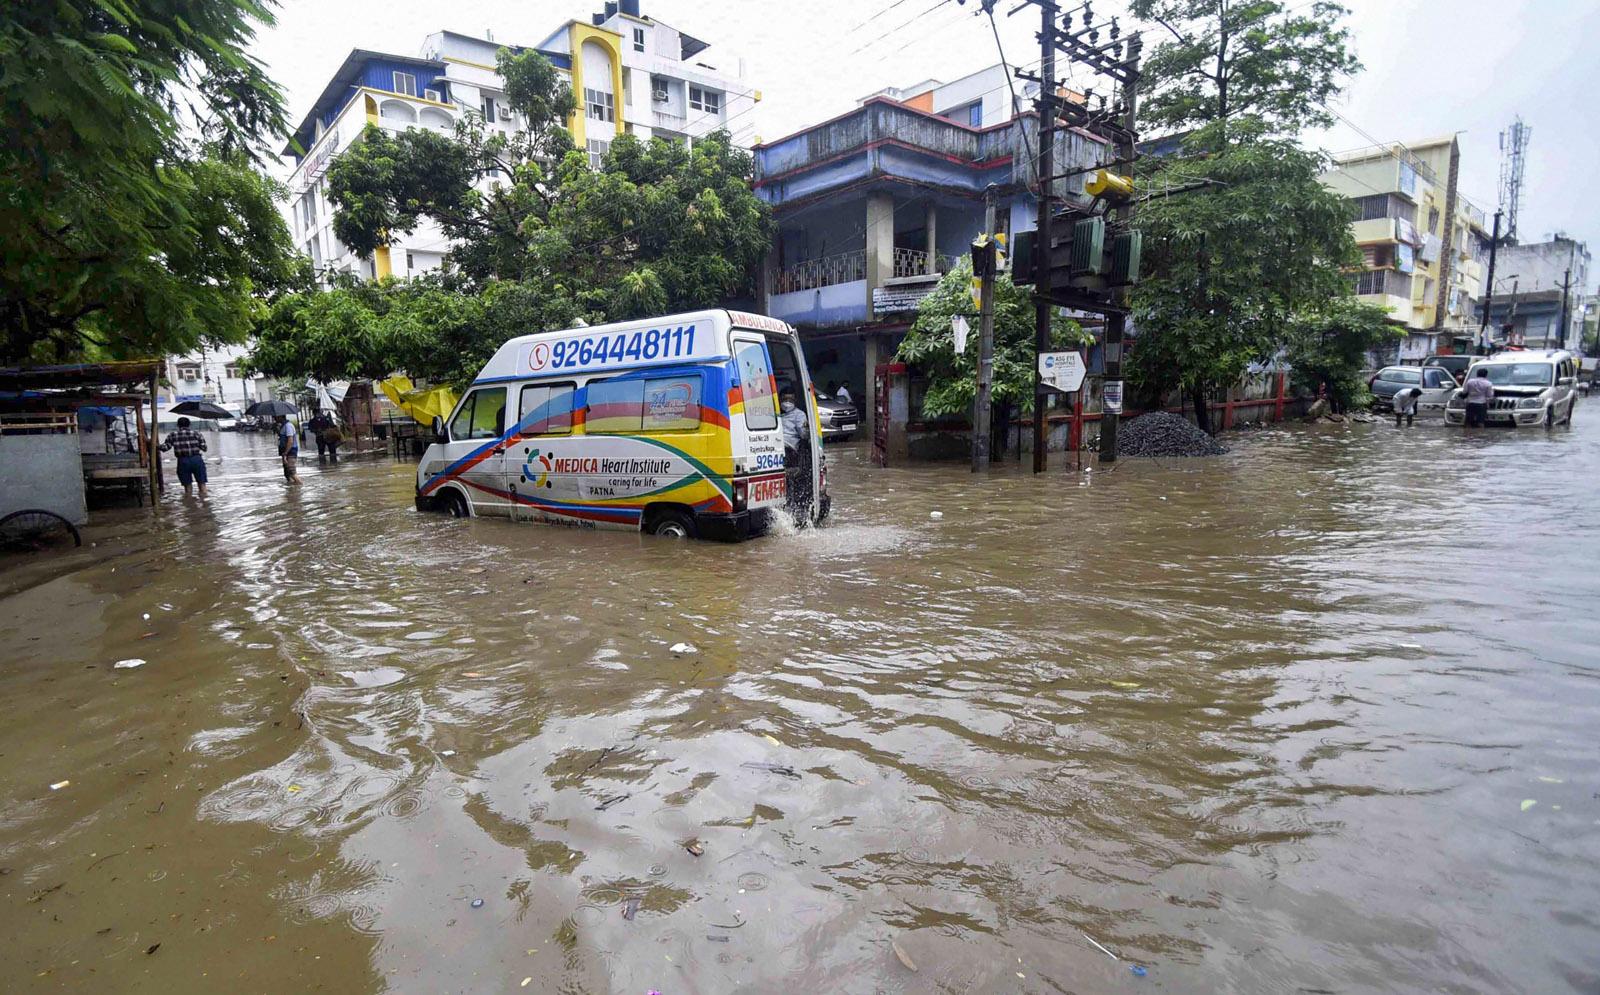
(1405, 405)
(796, 425)
(844, 393)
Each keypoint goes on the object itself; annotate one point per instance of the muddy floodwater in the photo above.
(1321, 715)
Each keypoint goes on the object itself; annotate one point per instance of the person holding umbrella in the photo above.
(288, 434)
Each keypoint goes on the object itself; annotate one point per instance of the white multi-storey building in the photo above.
(216, 375)
(631, 74)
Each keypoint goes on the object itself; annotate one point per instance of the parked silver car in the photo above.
(1435, 382)
(840, 419)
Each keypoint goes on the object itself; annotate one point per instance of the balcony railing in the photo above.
(912, 262)
(809, 274)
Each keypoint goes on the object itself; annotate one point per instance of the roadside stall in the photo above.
(67, 429)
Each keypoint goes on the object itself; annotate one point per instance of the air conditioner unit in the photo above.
(433, 95)
(505, 113)
(659, 96)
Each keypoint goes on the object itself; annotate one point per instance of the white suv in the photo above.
(1530, 388)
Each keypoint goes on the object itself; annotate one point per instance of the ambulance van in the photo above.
(669, 425)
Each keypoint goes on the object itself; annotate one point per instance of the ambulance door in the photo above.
(763, 431)
(476, 450)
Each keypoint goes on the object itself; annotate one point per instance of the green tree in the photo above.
(1232, 263)
(952, 377)
(123, 236)
(1222, 60)
(1328, 346)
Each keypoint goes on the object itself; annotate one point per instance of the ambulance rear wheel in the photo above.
(672, 522)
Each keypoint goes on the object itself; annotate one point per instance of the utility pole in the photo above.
(1044, 306)
(1566, 287)
(1117, 321)
(981, 420)
(1488, 297)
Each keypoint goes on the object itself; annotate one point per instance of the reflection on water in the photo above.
(1315, 716)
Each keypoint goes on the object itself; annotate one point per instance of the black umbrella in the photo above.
(201, 409)
(271, 409)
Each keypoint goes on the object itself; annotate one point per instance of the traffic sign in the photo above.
(1061, 371)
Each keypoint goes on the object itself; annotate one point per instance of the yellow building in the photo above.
(1424, 246)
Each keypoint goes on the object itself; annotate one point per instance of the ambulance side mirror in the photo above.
(438, 428)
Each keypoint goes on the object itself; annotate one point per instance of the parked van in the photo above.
(1531, 387)
(665, 425)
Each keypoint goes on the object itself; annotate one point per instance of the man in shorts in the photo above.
(187, 445)
(289, 448)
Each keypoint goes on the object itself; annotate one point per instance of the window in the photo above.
(1401, 374)
(1438, 378)
(546, 409)
(614, 406)
(233, 371)
(405, 83)
(488, 109)
(755, 383)
(638, 39)
(188, 371)
(597, 152)
(659, 404)
(1433, 220)
(672, 404)
(481, 416)
(709, 101)
(658, 89)
(975, 114)
(599, 105)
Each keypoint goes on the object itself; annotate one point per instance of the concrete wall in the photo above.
(43, 471)
(840, 303)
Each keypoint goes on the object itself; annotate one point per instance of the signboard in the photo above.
(1111, 399)
(1061, 371)
(904, 297)
(587, 351)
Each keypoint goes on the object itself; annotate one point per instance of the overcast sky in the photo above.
(1432, 67)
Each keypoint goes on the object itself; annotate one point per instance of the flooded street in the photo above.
(1316, 716)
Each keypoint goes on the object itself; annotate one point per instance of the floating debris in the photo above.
(129, 664)
(630, 908)
(608, 802)
(477, 903)
(682, 649)
(934, 514)
(1528, 803)
(778, 769)
(694, 848)
(1099, 946)
(904, 957)
(1136, 969)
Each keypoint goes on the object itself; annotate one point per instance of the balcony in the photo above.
(886, 140)
(828, 271)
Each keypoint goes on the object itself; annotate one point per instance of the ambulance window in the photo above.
(755, 382)
(482, 415)
(546, 409)
(672, 404)
(615, 406)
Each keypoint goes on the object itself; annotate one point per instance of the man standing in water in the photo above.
(1479, 393)
(289, 448)
(187, 445)
(1405, 405)
(796, 450)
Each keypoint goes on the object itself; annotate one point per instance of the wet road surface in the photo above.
(1317, 716)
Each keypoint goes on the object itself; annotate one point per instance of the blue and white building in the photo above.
(875, 205)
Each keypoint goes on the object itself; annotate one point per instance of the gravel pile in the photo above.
(1162, 434)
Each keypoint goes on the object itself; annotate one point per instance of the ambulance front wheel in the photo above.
(671, 522)
(455, 505)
